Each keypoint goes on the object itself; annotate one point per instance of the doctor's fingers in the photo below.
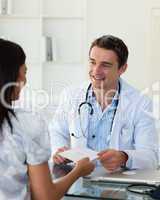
(101, 153)
(62, 149)
(112, 161)
(107, 157)
(58, 159)
(111, 169)
(107, 153)
(111, 166)
(107, 160)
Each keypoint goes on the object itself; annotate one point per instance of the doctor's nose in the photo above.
(97, 69)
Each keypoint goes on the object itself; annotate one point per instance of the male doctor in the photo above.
(106, 115)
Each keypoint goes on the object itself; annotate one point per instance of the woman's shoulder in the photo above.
(28, 123)
(34, 134)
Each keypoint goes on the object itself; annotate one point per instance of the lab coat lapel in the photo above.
(120, 115)
(78, 140)
(79, 123)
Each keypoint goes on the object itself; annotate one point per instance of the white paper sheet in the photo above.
(76, 154)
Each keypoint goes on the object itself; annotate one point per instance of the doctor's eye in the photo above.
(92, 62)
(106, 65)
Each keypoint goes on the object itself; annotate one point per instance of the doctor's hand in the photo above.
(84, 167)
(112, 159)
(57, 159)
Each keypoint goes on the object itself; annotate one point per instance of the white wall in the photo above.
(66, 24)
(134, 22)
(137, 23)
(75, 24)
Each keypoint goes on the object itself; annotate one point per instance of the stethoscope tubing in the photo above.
(86, 102)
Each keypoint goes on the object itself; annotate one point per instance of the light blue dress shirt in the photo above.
(100, 123)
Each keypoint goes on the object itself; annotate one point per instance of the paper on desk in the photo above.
(76, 154)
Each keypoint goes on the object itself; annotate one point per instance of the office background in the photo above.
(56, 35)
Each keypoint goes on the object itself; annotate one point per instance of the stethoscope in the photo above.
(91, 111)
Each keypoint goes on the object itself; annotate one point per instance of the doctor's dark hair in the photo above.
(115, 44)
(12, 57)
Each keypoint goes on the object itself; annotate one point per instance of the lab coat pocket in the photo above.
(76, 136)
(126, 136)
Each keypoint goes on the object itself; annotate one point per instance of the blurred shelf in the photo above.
(61, 17)
(49, 63)
(5, 16)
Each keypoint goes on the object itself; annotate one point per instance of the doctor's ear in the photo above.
(122, 69)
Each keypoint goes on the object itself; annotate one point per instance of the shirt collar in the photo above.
(91, 94)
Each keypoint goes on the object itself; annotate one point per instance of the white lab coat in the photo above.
(133, 128)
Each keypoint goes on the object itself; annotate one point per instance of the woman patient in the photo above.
(24, 145)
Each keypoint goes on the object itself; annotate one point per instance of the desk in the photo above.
(84, 189)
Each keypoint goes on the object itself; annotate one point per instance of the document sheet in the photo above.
(76, 154)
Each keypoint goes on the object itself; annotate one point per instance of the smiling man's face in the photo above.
(103, 68)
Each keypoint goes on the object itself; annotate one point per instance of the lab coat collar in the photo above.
(125, 100)
(125, 97)
(126, 93)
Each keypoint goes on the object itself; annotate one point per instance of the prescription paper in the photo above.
(75, 154)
